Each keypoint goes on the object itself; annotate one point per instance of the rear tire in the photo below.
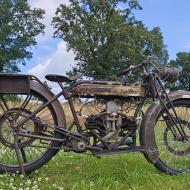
(35, 157)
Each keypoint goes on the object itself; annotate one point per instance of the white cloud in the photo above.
(50, 7)
(59, 62)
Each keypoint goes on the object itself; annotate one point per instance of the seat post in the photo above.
(67, 96)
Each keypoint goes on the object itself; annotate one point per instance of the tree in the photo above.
(19, 25)
(105, 36)
(183, 62)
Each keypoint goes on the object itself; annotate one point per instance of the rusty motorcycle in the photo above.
(33, 125)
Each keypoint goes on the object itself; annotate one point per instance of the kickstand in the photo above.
(18, 154)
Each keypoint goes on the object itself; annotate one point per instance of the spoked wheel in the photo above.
(182, 147)
(33, 152)
(174, 150)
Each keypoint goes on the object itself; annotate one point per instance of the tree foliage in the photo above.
(19, 25)
(183, 62)
(105, 36)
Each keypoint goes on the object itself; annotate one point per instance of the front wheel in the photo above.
(167, 149)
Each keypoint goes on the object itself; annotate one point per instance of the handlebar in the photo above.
(131, 68)
(167, 73)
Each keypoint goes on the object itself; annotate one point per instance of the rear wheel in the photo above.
(33, 152)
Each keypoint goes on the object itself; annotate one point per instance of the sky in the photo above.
(50, 55)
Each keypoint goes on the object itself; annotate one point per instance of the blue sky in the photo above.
(172, 16)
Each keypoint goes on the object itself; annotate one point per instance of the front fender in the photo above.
(147, 135)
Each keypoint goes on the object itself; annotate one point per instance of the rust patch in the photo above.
(14, 83)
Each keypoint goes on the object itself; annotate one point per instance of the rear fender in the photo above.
(26, 84)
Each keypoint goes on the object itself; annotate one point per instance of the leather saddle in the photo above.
(61, 78)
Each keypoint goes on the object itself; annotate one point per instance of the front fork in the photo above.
(176, 122)
(176, 127)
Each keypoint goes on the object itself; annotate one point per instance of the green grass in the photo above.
(71, 171)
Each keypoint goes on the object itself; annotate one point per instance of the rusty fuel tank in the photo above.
(109, 89)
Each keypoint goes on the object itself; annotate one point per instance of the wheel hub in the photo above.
(9, 127)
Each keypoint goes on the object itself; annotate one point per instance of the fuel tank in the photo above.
(109, 89)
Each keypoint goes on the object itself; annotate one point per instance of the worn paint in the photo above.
(109, 90)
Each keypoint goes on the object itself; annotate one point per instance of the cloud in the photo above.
(50, 7)
(59, 62)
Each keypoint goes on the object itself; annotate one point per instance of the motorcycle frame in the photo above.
(66, 94)
(150, 91)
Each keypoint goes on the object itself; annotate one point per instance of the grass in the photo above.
(71, 171)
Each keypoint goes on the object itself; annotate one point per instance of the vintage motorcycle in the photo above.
(33, 125)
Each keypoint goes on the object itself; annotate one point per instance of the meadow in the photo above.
(71, 171)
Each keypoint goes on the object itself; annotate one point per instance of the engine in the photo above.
(111, 123)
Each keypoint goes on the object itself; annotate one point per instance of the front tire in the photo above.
(172, 154)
